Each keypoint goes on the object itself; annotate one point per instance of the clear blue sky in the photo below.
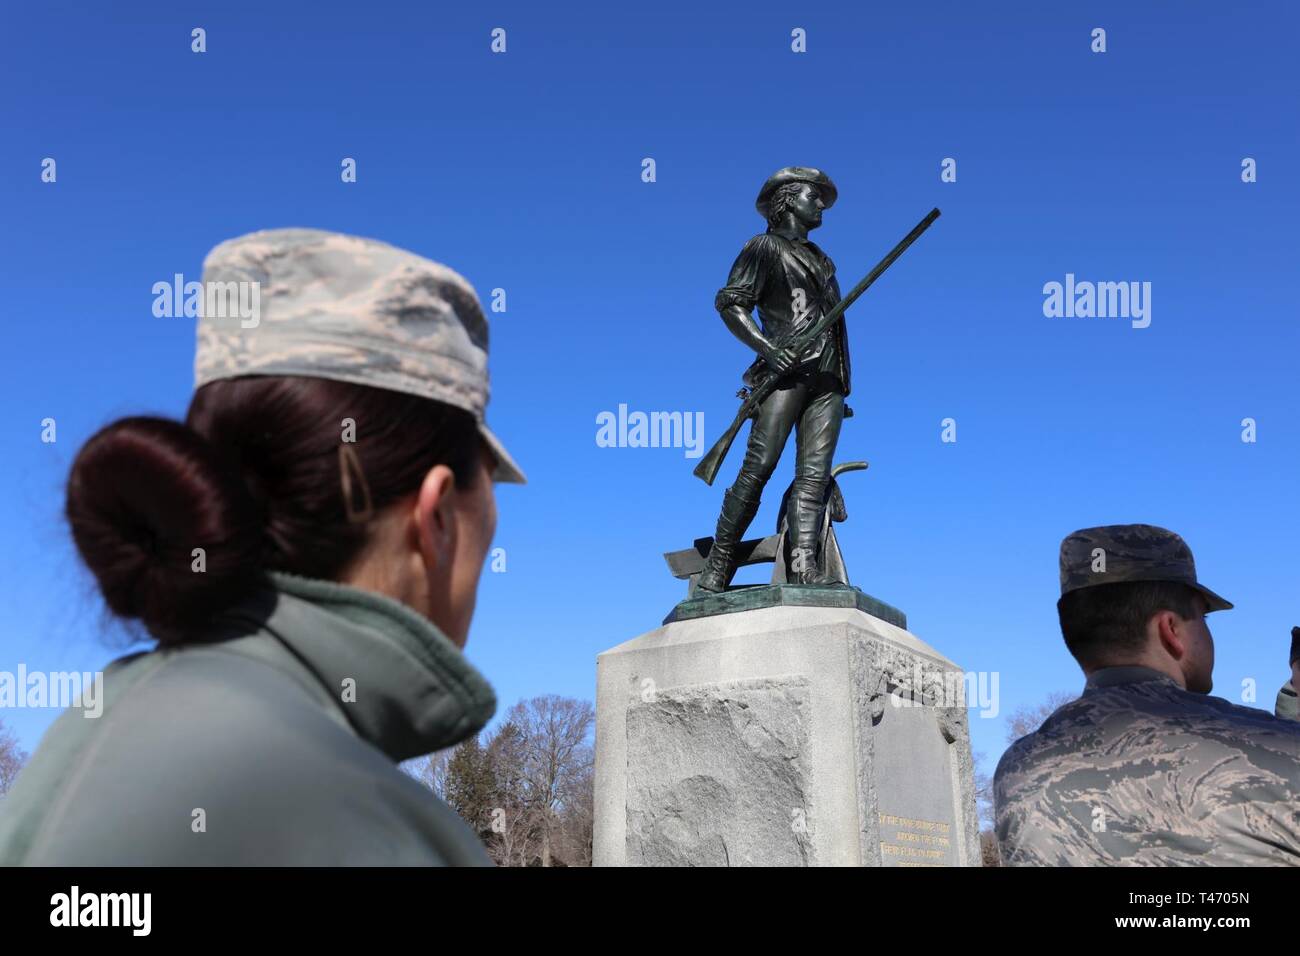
(523, 170)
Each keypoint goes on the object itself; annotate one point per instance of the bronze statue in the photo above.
(799, 380)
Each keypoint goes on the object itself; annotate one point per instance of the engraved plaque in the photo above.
(913, 771)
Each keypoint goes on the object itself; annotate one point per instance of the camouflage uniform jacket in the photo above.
(1140, 772)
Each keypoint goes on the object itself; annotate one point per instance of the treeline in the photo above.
(526, 787)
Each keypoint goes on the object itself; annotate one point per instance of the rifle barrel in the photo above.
(820, 326)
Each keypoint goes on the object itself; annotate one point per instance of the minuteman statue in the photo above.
(792, 282)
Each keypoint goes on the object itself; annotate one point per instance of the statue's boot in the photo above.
(738, 511)
(803, 520)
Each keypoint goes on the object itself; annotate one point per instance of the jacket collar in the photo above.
(799, 242)
(396, 678)
(1113, 676)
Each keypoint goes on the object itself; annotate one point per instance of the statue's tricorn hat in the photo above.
(796, 174)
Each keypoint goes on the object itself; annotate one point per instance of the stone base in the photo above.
(782, 736)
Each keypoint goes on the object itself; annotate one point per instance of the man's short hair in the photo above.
(1106, 624)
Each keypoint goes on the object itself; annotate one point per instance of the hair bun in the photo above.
(143, 495)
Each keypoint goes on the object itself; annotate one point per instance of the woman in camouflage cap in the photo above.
(305, 550)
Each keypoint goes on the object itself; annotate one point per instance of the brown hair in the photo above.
(253, 478)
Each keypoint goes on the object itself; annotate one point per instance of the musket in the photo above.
(708, 467)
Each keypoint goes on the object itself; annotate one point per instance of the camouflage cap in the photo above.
(352, 310)
(1120, 553)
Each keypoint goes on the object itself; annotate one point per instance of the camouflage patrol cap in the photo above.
(351, 310)
(1130, 552)
(796, 174)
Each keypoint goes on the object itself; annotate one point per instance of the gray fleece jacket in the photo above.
(274, 742)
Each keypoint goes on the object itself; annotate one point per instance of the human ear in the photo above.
(435, 520)
(1172, 631)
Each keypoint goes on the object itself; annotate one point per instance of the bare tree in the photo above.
(516, 826)
(983, 794)
(1025, 720)
(527, 788)
(578, 817)
(12, 759)
(557, 760)
(431, 770)
(984, 813)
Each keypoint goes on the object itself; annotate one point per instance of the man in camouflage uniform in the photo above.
(1288, 702)
(1146, 768)
(792, 283)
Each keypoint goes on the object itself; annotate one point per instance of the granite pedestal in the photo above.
(790, 734)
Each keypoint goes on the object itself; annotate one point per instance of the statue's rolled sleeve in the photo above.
(748, 275)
